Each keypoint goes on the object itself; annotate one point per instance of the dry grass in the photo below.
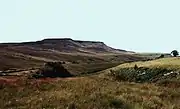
(87, 93)
(169, 63)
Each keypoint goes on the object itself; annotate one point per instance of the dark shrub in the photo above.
(52, 69)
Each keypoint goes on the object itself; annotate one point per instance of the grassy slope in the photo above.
(166, 65)
(169, 63)
(91, 92)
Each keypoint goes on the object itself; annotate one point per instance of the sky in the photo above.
(136, 25)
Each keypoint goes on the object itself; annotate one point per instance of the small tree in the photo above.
(135, 67)
(175, 53)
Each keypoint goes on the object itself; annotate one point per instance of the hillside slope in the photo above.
(165, 71)
(78, 56)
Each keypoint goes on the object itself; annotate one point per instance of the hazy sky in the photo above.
(138, 25)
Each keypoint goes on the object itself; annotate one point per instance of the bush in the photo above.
(52, 69)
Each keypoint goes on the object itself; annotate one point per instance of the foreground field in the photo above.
(87, 92)
(100, 91)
